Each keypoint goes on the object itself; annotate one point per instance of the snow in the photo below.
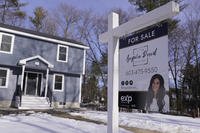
(153, 121)
(45, 123)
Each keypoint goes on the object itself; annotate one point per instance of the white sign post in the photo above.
(112, 38)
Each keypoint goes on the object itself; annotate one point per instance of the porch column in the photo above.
(80, 88)
(47, 78)
(22, 77)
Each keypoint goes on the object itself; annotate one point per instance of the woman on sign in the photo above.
(157, 100)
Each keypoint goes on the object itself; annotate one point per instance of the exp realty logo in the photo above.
(126, 99)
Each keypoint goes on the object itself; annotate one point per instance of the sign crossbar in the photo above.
(157, 15)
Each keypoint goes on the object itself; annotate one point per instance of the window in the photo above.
(4, 73)
(6, 43)
(58, 82)
(62, 53)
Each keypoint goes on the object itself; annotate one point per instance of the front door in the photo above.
(33, 84)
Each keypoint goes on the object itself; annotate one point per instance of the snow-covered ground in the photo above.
(45, 123)
(159, 122)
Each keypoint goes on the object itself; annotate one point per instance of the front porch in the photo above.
(34, 83)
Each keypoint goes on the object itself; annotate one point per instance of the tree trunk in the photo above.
(176, 85)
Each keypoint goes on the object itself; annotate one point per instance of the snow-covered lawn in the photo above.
(159, 122)
(45, 123)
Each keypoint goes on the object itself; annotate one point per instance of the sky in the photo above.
(98, 6)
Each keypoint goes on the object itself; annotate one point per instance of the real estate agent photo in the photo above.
(157, 99)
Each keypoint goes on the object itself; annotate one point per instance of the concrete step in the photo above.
(29, 106)
(36, 107)
(35, 104)
(32, 102)
(33, 98)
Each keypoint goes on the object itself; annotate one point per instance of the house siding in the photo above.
(8, 94)
(25, 47)
(70, 92)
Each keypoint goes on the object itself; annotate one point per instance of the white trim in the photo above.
(58, 53)
(12, 43)
(84, 61)
(37, 84)
(81, 77)
(25, 87)
(7, 77)
(46, 83)
(23, 61)
(63, 80)
(43, 38)
(22, 77)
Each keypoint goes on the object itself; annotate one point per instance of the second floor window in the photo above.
(6, 43)
(62, 54)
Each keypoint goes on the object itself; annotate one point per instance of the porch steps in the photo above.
(33, 102)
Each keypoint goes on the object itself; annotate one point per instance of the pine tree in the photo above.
(10, 11)
(38, 19)
(148, 5)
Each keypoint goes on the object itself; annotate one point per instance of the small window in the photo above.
(58, 82)
(4, 73)
(62, 53)
(6, 43)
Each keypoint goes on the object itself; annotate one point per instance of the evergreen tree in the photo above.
(90, 89)
(38, 19)
(10, 11)
(190, 81)
(148, 5)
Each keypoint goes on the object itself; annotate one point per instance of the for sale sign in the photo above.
(142, 55)
(144, 68)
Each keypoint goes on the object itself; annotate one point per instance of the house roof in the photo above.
(40, 36)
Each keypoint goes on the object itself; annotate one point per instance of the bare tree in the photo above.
(193, 33)
(176, 62)
(50, 25)
(89, 28)
(67, 18)
(192, 52)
